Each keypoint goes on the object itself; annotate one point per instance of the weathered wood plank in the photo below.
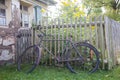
(102, 42)
(73, 24)
(107, 24)
(90, 31)
(96, 33)
(80, 26)
(85, 29)
(55, 43)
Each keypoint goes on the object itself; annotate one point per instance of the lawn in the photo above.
(55, 73)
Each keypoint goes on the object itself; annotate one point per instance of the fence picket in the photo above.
(96, 32)
(80, 22)
(102, 42)
(55, 38)
(62, 45)
(75, 29)
(67, 30)
(90, 31)
(85, 29)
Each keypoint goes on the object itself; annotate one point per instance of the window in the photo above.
(24, 16)
(25, 8)
(2, 2)
(25, 19)
(37, 14)
(2, 14)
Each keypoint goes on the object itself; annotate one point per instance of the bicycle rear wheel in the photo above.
(88, 60)
(29, 59)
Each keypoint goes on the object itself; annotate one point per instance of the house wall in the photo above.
(9, 31)
(31, 6)
(35, 3)
(8, 11)
(30, 10)
(31, 16)
(7, 45)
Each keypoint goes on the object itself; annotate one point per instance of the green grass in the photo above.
(55, 73)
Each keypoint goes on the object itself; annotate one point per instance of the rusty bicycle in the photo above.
(78, 56)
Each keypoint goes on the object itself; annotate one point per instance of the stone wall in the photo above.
(8, 35)
(7, 45)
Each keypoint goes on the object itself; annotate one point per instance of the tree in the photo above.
(71, 8)
(111, 7)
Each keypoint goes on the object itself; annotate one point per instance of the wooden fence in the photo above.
(23, 41)
(112, 30)
(101, 32)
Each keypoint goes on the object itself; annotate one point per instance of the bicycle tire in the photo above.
(33, 55)
(84, 62)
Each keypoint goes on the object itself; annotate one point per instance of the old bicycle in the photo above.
(78, 56)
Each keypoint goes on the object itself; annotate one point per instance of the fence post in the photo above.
(33, 34)
(102, 42)
(109, 47)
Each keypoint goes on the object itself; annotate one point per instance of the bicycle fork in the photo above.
(78, 53)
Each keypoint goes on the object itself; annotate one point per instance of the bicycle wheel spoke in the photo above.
(87, 60)
(29, 59)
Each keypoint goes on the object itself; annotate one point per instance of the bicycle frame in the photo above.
(67, 47)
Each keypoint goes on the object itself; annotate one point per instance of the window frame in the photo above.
(2, 14)
(2, 2)
(23, 14)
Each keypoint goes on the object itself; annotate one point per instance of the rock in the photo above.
(5, 55)
(2, 33)
(1, 40)
(8, 41)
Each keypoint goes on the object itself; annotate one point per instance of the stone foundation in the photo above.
(7, 46)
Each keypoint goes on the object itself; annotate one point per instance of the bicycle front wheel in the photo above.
(29, 59)
(87, 60)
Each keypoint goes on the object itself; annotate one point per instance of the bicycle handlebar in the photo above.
(38, 27)
(44, 34)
